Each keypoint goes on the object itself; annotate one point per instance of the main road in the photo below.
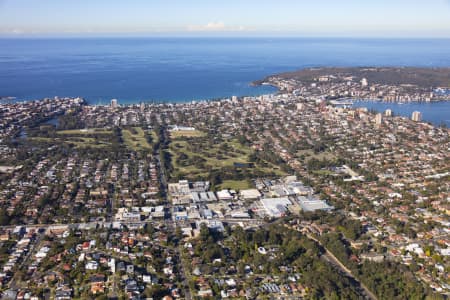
(331, 258)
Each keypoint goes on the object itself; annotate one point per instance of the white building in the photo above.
(112, 265)
(92, 265)
(416, 248)
(275, 207)
(251, 194)
(224, 195)
(416, 116)
(378, 119)
(114, 103)
(364, 82)
(313, 204)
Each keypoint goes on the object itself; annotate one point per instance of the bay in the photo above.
(184, 69)
(437, 113)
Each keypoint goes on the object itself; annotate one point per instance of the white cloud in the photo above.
(17, 31)
(215, 26)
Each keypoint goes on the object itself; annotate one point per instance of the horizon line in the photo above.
(156, 35)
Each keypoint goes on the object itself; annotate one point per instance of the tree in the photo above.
(178, 233)
(149, 229)
(204, 232)
(4, 217)
(156, 292)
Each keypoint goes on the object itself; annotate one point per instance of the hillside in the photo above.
(422, 77)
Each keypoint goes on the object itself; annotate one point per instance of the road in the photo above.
(159, 166)
(187, 290)
(182, 271)
(329, 256)
(170, 224)
(34, 245)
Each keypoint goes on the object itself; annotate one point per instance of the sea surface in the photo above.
(437, 113)
(185, 69)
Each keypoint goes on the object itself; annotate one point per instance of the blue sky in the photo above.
(380, 18)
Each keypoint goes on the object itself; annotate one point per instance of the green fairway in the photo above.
(197, 157)
(135, 139)
(186, 133)
(235, 185)
(79, 142)
(84, 131)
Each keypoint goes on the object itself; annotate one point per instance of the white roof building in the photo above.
(251, 194)
(224, 195)
(92, 265)
(275, 207)
(313, 204)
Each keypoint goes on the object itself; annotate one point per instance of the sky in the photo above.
(347, 18)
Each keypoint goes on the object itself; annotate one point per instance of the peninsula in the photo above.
(394, 84)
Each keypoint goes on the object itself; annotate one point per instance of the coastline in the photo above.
(6, 98)
(183, 70)
(106, 101)
(278, 88)
(356, 99)
(388, 84)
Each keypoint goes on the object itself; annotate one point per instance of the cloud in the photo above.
(12, 31)
(211, 26)
(17, 31)
(215, 26)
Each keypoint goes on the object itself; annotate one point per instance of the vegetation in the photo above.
(186, 133)
(137, 139)
(224, 163)
(78, 138)
(70, 120)
(387, 280)
(83, 132)
(286, 250)
(235, 184)
(423, 77)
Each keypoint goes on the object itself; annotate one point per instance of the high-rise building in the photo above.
(142, 107)
(388, 113)
(378, 119)
(416, 116)
(114, 103)
(364, 82)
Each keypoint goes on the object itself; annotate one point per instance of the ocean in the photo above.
(185, 69)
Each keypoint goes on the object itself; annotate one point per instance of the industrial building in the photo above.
(275, 207)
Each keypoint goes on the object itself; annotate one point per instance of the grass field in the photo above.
(235, 185)
(84, 131)
(79, 142)
(186, 133)
(309, 154)
(154, 136)
(79, 138)
(196, 158)
(135, 139)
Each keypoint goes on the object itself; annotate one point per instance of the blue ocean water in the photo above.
(184, 69)
(437, 113)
